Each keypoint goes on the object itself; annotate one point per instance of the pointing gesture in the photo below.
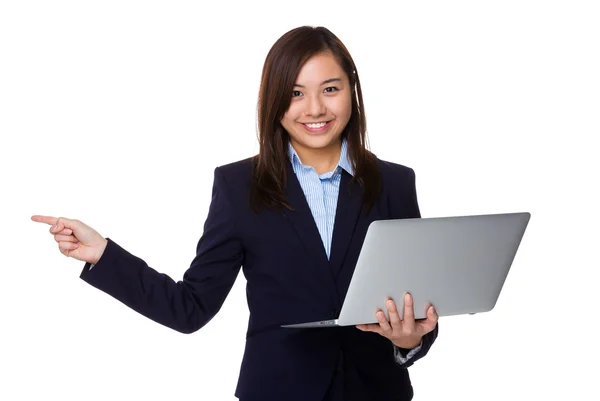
(75, 239)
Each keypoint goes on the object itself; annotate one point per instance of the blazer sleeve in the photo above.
(185, 305)
(412, 211)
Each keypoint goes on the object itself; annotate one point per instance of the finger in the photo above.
(427, 325)
(52, 222)
(58, 226)
(394, 315)
(386, 329)
(65, 231)
(65, 238)
(408, 322)
(375, 328)
(44, 219)
(61, 224)
(67, 247)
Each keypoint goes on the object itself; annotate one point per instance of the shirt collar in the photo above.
(344, 161)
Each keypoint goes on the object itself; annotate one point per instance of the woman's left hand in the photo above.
(406, 333)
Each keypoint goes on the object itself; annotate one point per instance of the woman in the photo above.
(294, 217)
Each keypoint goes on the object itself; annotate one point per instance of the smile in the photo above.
(316, 127)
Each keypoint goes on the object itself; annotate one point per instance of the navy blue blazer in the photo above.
(289, 280)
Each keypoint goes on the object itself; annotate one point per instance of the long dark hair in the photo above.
(281, 68)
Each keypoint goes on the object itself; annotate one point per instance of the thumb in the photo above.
(62, 223)
(428, 324)
(76, 226)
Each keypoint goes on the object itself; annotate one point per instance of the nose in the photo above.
(314, 107)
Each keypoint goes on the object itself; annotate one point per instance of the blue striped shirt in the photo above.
(321, 193)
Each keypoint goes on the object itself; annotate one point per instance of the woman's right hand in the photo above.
(75, 239)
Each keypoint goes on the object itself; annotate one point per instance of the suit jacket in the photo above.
(289, 280)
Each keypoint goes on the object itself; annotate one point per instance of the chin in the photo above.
(314, 142)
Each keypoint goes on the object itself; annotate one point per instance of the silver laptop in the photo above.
(457, 264)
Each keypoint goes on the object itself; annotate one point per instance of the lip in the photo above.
(317, 130)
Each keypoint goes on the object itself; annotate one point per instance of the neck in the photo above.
(322, 160)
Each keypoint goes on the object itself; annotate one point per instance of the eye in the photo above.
(331, 87)
(296, 93)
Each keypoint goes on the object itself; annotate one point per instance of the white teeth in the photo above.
(319, 125)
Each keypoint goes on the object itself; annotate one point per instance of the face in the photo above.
(321, 106)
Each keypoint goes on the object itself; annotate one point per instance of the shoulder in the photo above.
(399, 188)
(240, 168)
(395, 171)
(235, 176)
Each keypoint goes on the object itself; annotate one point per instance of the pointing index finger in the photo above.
(44, 219)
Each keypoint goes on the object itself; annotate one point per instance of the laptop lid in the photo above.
(458, 264)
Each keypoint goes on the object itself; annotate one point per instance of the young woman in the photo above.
(294, 217)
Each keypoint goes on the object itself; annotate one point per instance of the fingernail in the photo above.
(407, 297)
(389, 303)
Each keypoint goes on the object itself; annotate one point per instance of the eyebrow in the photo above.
(323, 83)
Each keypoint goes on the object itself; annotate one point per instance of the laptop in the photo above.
(457, 264)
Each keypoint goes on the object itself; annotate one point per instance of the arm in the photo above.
(186, 305)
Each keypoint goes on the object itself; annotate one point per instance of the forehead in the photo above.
(318, 68)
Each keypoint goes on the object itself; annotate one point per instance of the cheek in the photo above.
(290, 116)
(343, 109)
(289, 123)
(286, 121)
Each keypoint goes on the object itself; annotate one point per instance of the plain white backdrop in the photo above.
(117, 112)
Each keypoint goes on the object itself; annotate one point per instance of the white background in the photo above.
(117, 112)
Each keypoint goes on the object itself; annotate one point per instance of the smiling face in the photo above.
(320, 109)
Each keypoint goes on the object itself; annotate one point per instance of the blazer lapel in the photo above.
(304, 223)
(348, 210)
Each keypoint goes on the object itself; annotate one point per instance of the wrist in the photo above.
(101, 251)
(407, 345)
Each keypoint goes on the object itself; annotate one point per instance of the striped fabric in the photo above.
(321, 191)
